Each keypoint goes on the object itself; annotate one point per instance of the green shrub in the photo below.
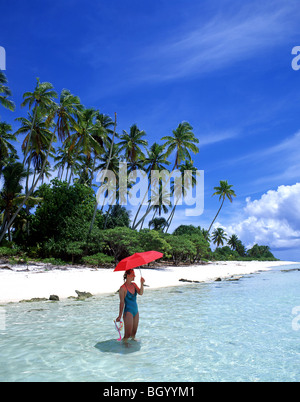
(98, 259)
(7, 252)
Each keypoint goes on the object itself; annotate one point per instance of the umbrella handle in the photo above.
(141, 275)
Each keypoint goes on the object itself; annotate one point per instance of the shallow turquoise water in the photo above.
(221, 331)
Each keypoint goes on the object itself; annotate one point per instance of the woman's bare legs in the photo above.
(135, 326)
(131, 325)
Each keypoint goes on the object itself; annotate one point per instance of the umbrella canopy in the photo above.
(137, 260)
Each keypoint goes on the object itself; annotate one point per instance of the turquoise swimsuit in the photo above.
(130, 303)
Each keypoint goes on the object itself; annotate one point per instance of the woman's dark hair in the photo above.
(128, 272)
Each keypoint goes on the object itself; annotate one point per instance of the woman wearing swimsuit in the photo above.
(128, 293)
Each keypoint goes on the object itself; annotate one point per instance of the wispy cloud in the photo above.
(215, 137)
(218, 43)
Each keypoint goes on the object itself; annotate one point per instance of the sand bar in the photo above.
(40, 281)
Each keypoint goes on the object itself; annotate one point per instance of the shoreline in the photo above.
(24, 282)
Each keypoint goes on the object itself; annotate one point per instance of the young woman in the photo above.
(128, 303)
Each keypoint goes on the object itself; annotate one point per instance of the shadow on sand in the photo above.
(114, 346)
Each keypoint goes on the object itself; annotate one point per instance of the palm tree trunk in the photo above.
(140, 206)
(29, 137)
(170, 218)
(216, 215)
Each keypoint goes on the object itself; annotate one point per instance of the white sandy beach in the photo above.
(26, 282)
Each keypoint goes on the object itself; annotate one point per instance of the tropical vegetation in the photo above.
(49, 198)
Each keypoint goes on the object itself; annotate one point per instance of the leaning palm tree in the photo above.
(224, 191)
(219, 237)
(5, 92)
(182, 142)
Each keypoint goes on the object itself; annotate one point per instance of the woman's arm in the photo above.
(122, 294)
(140, 290)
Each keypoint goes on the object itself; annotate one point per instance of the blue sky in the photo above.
(223, 66)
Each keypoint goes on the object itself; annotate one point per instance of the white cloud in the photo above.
(272, 220)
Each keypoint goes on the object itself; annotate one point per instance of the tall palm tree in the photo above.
(5, 92)
(186, 185)
(219, 237)
(131, 143)
(41, 97)
(65, 113)
(6, 148)
(224, 191)
(108, 161)
(182, 142)
(155, 160)
(83, 140)
(39, 136)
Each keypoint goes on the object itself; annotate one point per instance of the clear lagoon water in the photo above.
(222, 331)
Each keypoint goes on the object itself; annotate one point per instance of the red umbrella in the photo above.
(137, 259)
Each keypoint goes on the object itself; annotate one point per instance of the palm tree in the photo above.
(39, 135)
(10, 196)
(206, 234)
(158, 223)
(155, 160)
(131, 143)
(108, 161)
(186, 185)
(5, 92)
(219, 236)
(41, 97)
(82, 140)
(233, 242)
(6, 148)
(183, 141)
(224, 191)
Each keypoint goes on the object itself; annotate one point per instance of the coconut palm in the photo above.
(224, 191)
(182, 142)
(186, 185)
(82, 140)
(219, 237)
(233, 241)
(6, 148)
(41, 97)
(5, 92)
(131, 143)
(158, 223)
(155, 160)
(108, 161)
